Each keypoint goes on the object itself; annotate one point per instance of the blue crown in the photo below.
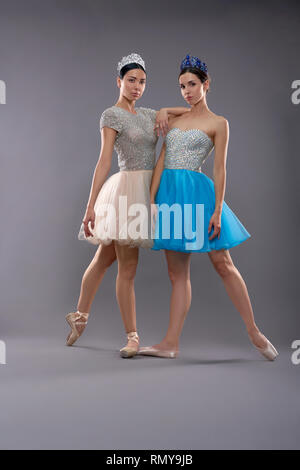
(191, 61)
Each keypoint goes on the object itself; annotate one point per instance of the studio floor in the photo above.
(87, 397)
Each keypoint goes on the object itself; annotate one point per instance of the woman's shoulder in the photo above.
(111, 117)
(219, 126)
(218, 119)
(148, 111)
(222, 126)
(111, 111)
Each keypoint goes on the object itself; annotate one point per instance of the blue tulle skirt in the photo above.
(186, 228)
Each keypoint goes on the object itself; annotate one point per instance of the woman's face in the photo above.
(132, 85)
(192, 89)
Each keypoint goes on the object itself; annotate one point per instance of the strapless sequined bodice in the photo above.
(187, 149)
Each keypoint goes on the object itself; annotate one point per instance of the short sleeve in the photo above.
(109, 118)
(151, 113)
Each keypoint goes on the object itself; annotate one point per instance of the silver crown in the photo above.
(129, 59)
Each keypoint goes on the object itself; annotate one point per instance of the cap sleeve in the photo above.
(109, 118)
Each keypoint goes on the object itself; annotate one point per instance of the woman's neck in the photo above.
(199, 108)
(126, 104)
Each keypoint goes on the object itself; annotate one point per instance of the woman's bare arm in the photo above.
(101, 171)
(157, 174)
(177, 111)
(103, 165)
(221, 144)
(219, 171)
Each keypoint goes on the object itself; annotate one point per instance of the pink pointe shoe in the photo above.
(268, 351)
(150, 351)
(130, 351)
(77, 322)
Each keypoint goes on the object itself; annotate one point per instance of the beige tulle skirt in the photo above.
(122, 211)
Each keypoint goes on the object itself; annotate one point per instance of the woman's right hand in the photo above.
(89, 216)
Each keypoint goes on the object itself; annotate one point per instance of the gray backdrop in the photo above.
(58, 60)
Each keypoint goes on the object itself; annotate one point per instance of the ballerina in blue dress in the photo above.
(190, 213)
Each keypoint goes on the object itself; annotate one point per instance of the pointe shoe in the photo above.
(150, 351)
(77, 322)
(268, 351)
(129, 351)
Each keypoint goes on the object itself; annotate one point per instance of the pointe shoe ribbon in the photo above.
(128, 351)
(150, 351)
(77, 322)
(269, 351)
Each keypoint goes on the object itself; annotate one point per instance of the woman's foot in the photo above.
(262, 344)
(162, 349)
(77, 322)
(132, 345)
(257, 338)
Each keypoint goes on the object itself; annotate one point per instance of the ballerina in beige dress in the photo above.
(131, 132)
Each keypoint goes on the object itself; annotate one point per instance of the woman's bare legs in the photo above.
(238, 293)
(179, 274)
(127, 265)
(104, 257)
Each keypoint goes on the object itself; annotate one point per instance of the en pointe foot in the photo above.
(77, 322)
(162, 349)
(263, 345)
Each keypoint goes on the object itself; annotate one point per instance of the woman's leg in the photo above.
(179, 274)
(238, 293)
(127, 265)
(104, 257)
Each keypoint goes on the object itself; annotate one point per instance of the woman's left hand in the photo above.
(161, 123)
(215, 222)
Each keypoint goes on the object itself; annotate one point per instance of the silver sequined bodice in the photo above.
(136, 140)
(187, 149)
